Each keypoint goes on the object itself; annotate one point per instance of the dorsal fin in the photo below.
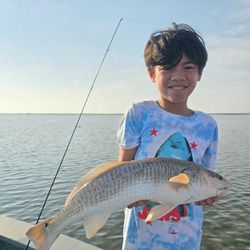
(89, 176)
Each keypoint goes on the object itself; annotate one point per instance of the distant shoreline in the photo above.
(104, 113)
(60, 114)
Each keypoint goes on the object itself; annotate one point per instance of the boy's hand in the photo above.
(138, 203)
(207, 202)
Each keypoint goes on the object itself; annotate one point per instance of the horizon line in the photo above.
(40, 113)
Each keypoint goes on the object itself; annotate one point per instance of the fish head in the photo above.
(220, 184)
(206, 183)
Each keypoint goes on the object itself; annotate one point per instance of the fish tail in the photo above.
(40, 236)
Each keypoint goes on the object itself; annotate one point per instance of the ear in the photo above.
(151, 74)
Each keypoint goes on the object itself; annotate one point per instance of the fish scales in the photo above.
(113, 182)
(115, 185)
(108, 184)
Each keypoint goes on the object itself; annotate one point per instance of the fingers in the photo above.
(207, 202)
(138, 203)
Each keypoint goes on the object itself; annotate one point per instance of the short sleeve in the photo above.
(129, 130)
(209, 159)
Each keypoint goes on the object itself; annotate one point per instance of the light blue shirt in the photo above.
(158, 133)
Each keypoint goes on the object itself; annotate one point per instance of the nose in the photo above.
(177, 74)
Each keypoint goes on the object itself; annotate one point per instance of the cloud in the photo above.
(229, 48)
(238, 21)
(225, 83)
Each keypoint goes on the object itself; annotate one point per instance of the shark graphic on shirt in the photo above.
(176, 146)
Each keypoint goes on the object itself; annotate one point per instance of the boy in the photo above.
(175, 59)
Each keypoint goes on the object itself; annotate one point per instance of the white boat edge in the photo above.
(15, 230)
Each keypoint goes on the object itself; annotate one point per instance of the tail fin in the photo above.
(40, 236)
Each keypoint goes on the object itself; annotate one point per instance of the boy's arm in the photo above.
(127, 154)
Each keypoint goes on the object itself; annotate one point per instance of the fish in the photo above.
(114, 185)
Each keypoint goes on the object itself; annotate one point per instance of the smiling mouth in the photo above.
(177, 87)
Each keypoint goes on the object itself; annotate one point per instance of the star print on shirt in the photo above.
(154, 132)
(193, 145)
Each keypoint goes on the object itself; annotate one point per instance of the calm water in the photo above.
(32, 146)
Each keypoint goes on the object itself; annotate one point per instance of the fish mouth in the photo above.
(222, 190)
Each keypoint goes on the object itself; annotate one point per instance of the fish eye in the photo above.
(220, 177)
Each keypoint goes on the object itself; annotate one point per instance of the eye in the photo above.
(165, 67)
(46, 224)
(190, 67)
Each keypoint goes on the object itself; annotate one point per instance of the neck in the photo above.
(178, 109)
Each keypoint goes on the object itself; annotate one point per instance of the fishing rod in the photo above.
(78, 120)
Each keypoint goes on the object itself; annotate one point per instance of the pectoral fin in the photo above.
(94, 223)
(181, 179)
(159, 210)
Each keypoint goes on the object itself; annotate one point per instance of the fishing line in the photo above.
(78, 120)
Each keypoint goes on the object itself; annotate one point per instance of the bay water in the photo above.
(31, 148)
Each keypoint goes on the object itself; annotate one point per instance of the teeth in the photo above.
(178, 87)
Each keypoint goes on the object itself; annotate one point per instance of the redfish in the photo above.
(115, 185)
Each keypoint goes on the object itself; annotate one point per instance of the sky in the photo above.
(50, 51)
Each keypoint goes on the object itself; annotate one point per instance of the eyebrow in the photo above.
(184, 63)
(189, 62)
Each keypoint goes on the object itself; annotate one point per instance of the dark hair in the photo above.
(166, 47)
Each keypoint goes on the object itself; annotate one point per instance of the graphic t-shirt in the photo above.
(158, 133)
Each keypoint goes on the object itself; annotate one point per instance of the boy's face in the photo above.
(175, 84)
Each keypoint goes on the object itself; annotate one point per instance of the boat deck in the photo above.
(12, 236)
